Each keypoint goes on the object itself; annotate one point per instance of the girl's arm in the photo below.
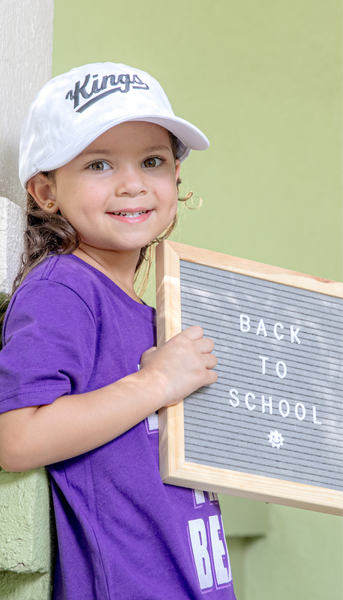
(40, 435)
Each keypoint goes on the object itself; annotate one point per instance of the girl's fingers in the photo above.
(150, 350)
(193, 333)
(210, 361)
(212, 377)
(205, 345)
(147, 356)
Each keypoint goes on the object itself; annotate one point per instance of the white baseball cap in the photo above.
(74, 108)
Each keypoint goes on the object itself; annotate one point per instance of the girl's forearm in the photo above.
(40, 435)
(37, 436)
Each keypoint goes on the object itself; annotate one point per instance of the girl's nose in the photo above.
(130, 182)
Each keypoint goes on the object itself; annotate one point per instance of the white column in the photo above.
(12, 220)
(26, 33)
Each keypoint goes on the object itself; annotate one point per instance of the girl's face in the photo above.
(120, 192)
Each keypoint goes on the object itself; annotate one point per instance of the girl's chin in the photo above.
(92, 248)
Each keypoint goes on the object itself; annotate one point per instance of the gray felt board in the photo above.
(299, 436)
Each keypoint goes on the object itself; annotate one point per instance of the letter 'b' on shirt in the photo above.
(197, 531)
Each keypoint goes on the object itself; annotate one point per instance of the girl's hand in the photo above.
(182, 365)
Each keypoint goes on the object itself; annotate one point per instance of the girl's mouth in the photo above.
(131, 216)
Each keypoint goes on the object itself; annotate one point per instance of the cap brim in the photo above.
(190, 136)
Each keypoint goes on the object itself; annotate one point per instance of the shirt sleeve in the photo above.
(49, 346)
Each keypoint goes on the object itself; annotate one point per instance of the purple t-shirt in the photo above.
(122, 533)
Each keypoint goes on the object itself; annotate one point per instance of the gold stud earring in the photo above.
(50, 205)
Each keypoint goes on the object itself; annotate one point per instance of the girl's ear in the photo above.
(177, 169)
(43, 191)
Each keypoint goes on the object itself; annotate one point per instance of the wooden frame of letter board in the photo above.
(173, 467)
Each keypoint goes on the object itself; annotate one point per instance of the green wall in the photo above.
(263, 81)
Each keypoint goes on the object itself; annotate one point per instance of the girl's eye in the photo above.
(99, 165)
(152, 162)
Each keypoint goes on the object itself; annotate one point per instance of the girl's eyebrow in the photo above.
(108, 151)
(95, 151)
(153, 148)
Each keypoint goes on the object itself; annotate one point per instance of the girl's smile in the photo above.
(131, 216)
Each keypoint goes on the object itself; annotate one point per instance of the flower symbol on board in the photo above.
(275, 439)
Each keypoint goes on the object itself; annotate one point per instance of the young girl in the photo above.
(100, 158)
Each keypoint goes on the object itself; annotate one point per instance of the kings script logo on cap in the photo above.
(122, 83)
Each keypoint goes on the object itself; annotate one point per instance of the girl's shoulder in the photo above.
(59, 280)
(63, 268)
(74, 280)
(66, 270)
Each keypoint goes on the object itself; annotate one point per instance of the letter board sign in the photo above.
(271, 427)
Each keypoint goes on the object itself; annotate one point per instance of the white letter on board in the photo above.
(314, 411)
(282, 413)
(294, 335)
(278, 372)
(264, 358)
(262, 328)
(218, 549)
(234, 400)
(269, 404)
(303, 411)
(278, 337)
(249, 406)
(244, 323)
(198, 537)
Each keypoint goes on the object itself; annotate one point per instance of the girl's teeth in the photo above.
(130, 215)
